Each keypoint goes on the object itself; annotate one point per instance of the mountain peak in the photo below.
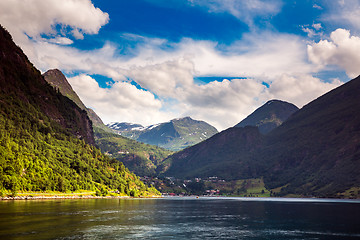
(269, 116)
(58, 80)
(175, 135)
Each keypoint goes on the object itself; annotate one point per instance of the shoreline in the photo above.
(69, 196)
(59, 197)
(78, 197)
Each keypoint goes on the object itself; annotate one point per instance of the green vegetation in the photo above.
(141, 158)
(253, 187)
(36, 154)
(45, 137)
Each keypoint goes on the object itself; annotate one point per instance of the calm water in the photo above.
(180, 218)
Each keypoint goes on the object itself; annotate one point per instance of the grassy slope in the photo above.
(140, 158)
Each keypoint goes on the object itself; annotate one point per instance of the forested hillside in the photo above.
(45, 137)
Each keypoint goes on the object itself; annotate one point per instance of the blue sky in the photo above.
(148, 61)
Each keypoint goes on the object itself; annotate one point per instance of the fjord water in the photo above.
(180, 218)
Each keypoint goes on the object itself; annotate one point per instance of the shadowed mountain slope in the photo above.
(316, 152)
(269, 116)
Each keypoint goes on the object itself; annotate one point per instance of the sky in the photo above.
(149, 61)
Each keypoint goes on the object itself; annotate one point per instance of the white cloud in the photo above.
(164, 79)
(343, 13)
(121, 102)
(61, 41)
(36, 17)
(313, 30)
(317, 6)
(341, 50)
(170, 74)
(300, 89)
(317, 26)
(256, 55)
(310, 32)
(245, 10)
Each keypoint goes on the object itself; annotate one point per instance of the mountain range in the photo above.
(48, 138)
(174, 135)
(315, 152)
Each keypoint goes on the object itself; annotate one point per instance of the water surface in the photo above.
(180, 218)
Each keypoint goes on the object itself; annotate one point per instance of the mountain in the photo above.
(315, 152)
(57, 79)
(140, 158)
(46, 140)
(143, 159)
(225, 155)
(174, 135)
(269, 116)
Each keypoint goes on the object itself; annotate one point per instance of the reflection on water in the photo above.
(180, 218)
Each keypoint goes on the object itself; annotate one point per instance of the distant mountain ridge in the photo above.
(269, 116)
(315, 152)
(174, 135)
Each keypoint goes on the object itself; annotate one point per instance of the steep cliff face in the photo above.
(20, 80)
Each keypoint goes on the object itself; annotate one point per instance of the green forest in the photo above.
(37, 154)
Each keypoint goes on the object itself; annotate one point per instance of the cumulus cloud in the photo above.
(266, 54)
(35, 18)
(299, 89)
(341, 50)
(121, 102)
(245, 10)
(164, 79)
(168, 77)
